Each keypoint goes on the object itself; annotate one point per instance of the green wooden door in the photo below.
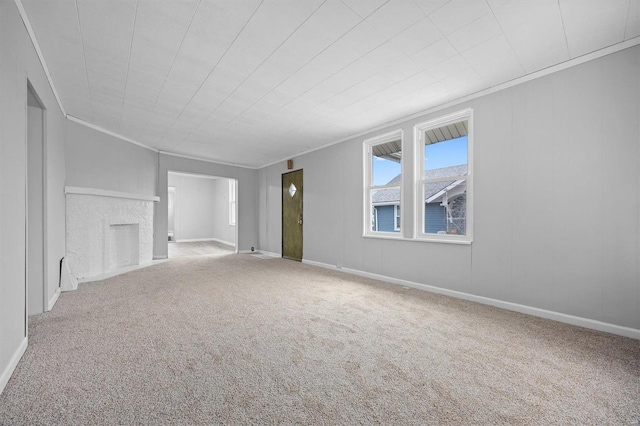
(292, 215)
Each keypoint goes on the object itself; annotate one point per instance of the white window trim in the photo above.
(419, 130)
(395, 216)
(368, 185)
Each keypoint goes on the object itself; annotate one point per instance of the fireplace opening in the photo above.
(124, 245)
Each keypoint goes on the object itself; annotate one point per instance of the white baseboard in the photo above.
(160, 257)
(196, 240)
(13, 362)
(270, 253)
(53, 299)
(121, 271)
(529, 310)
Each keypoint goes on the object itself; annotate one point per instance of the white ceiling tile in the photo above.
(535, 31)
(381, 57)
(278, 67)
(306, 42)
(500, 71)
(633, 20)
(153, 51)
(300, 9)
(265, 31)
(364, 7)
(593, 24)
(400, 70)
(152, 82)
(490, 50)
(278, 97)
(480, 30)
(450, 67)
(435, 54)
(457, 13)
(357, 92)
(466, 82)
(107, 30)
(413, 83)
(494, 4)
(415, 38)
(213, 29)
(394, 17)
(355, 44)
(140, 96)
(330, 22)
(430, 6)
(338, 82)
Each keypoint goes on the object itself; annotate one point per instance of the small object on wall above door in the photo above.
(289, 164)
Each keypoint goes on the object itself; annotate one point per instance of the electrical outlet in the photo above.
(252, 249)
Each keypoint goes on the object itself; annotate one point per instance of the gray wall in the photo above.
(201, 208)
(97, 160)
(222, 231)
(19, 63)
(557, 190)
(247, 198)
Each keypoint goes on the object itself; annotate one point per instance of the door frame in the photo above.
(43, 147)
(282, 192)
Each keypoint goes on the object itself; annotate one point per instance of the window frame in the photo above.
(420, 181)
(396, 217)
(368, 186)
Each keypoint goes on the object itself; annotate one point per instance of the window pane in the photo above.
(445, 154)
(386, 163)
(445, 210)
(384, 203)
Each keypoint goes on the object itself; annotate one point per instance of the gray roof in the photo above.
(432, 188)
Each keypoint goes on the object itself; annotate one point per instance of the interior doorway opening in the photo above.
(35, 224)
(202, 215)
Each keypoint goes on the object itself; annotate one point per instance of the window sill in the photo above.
(384, 236)
(419, 239)
(443, 240)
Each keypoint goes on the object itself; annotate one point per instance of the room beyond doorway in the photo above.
(201, 209)
(199, 248)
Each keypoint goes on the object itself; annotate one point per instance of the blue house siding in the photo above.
(435, 218)
(385, 218)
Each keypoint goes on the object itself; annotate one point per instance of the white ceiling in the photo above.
(251, 82)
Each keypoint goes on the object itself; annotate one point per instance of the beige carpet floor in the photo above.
(240, 340)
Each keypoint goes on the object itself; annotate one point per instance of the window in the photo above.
(443, 153)
(383, 184)
(232, 202)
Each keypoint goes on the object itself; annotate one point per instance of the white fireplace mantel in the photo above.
(107, 193)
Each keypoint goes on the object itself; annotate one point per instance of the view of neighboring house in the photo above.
(445, 203)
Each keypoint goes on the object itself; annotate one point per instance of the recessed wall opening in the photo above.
(35, 256)
(202, 214)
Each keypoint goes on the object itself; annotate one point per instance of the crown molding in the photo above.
(208, 160)
(109, 132)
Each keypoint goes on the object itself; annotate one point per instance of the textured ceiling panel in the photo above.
(254, 81)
